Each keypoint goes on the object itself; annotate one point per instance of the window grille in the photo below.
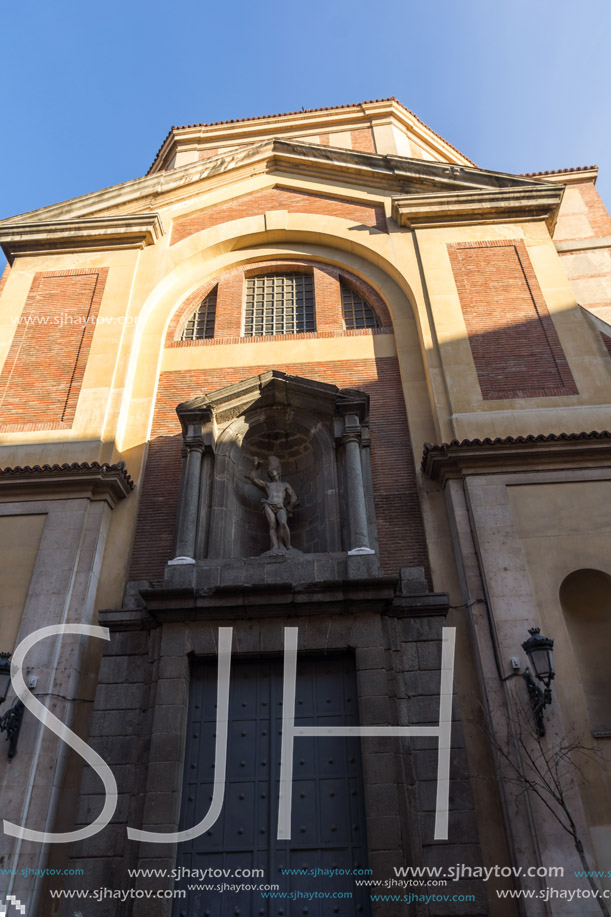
(357, 311)
(279, 304)
(201, 323)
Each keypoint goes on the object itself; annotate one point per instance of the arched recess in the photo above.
(230, 287)
(205, 255)
(305, 448)
(585, 596)
(320, 435)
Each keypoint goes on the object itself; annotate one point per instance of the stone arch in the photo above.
(585, 597)
(244, 270)
(208, 253)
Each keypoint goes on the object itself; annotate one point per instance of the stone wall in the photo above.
(140, 720)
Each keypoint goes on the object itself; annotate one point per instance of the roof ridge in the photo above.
(558, 171)
(306, 111)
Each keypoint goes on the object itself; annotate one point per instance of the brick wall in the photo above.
(42, 376)
(279, 199)
(400, 527)
(230, 302)
(362, 140)
(515, 347)
(598, 216)
(583, 217)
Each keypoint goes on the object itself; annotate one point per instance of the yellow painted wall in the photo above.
(19, 540)
(564, 527)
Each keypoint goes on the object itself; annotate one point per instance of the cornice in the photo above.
(599, 323)
(77, 235)
(566, 176)
(110, 483)
(312, 121)
(483, 206)
(394, 174)
(271, 388)
(583, 245)
(458, 459)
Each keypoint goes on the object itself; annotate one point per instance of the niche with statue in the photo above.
(275, 466)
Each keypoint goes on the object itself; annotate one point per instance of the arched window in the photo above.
(201, 323)
(585, 596)
(279, 304)
(357, 311)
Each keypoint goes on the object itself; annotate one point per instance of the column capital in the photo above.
(352, 428)
(352, 436)
(194, 442)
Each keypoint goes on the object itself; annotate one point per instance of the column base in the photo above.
(181, 561)
(361, 551)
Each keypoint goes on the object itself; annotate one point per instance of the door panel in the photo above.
(328, 822)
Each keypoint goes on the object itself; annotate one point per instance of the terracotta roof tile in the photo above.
(302, 111)
(558, 171)
(445, 449)
(74, 466)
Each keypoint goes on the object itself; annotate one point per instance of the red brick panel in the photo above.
(229, 304)
(44, 369)
(327, 293)
(279, 199)
(362, 140)
(598, 215)
(514, 343)
(400, 527)
(606, 341)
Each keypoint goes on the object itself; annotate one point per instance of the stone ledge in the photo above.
(293, 570)
(135, 230)
(110, 483)
(456, 459)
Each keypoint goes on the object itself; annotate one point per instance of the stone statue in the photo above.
(275, 506)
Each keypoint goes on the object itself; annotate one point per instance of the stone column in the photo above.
(189, 499)
(355, 489)
(203, 523)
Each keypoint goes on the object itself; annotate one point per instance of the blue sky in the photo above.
(91, 89)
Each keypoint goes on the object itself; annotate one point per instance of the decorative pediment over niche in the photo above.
(272, 389)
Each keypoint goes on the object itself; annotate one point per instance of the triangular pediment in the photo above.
(394, 174)
(116, 208)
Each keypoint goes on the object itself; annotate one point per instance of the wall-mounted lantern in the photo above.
(540, 652)
(10, 722)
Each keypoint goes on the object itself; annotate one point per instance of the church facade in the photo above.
(301, 434)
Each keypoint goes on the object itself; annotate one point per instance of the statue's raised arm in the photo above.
(252, 476)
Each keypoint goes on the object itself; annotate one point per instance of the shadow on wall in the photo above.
(306, 450)
(585, 596)
(301, 448)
